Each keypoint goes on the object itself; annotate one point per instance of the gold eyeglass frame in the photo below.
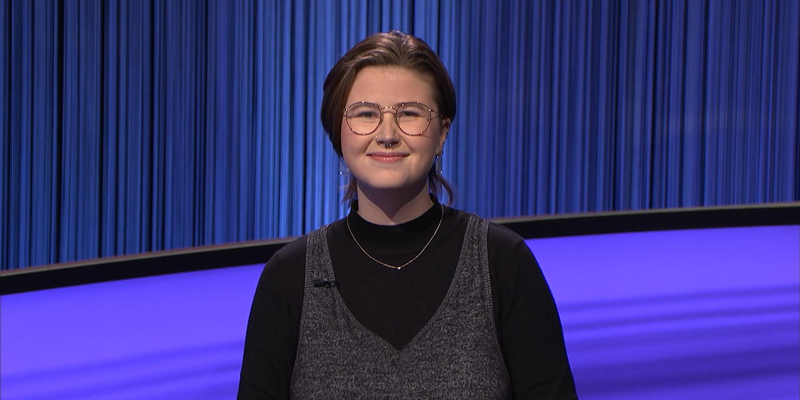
(383, 110)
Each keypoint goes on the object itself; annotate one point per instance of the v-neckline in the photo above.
(427, 326)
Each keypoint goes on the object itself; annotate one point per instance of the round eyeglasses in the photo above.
(413, 118)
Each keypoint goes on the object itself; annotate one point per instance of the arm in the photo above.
(529, 327)
(272, 330)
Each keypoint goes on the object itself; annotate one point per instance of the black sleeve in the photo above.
(272, 330)
(529, 327)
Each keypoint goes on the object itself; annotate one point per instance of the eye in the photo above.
(411, 111)
(364, 112)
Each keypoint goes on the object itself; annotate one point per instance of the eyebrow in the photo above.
(391, 105)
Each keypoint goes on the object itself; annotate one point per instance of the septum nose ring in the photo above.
(387, 144)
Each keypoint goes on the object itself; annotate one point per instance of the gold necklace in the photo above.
(441, 217)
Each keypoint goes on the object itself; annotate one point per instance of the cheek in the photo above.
(342, 133)
(353, 145)
(345, 138)
(438, 140)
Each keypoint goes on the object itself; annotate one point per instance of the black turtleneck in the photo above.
(396, 304)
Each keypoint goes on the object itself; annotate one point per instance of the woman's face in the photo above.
(389, 159)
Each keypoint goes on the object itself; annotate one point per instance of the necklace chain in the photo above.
(441, 217)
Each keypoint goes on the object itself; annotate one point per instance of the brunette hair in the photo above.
(393, 48)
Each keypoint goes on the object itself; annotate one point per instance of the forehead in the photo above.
(391, 85)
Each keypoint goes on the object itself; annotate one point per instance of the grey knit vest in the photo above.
(455, 356)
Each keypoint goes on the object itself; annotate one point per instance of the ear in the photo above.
(443, 135)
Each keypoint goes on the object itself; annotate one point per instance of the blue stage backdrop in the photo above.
(131, 126)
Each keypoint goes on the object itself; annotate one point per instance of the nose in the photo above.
(388, 133)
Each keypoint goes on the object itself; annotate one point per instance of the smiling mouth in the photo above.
(387, 157)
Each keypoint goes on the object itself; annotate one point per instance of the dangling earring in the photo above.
(344, 175)
(438, 163)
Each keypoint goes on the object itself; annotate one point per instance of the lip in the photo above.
(387, 157)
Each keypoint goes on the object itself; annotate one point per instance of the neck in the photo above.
(382, 207)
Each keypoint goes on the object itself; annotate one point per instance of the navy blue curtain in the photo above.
(132, 126)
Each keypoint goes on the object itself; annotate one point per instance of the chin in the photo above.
(394, 186)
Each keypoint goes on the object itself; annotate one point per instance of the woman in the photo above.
(405, 297)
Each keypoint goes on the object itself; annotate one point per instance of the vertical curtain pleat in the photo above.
(133, 126)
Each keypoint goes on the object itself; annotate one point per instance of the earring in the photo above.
(438, 162)
(344, 175)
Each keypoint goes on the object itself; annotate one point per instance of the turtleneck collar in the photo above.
(411, 233)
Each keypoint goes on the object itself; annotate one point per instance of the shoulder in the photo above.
(290, 255)
(510, 257)
(507, 249)
(511, 261)
(502, 238)
(498, 236)
(287, 265)
(283, 276)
